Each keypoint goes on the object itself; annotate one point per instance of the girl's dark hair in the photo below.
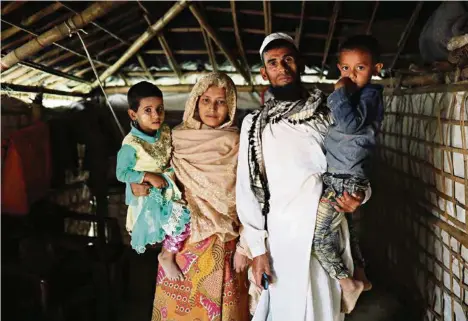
(139, 91)
(365, 43)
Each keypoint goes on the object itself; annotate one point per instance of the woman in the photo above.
(205, 160)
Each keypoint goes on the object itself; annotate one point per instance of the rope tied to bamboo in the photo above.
(72, 29)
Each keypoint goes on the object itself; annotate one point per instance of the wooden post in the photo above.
(405, 34)
(141, 41)
(57, 33)
(331, 30)
(371, 20)
(202, 21)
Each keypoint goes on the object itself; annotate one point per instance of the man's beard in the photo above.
(289, 92)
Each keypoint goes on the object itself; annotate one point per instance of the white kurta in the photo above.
(294, 161)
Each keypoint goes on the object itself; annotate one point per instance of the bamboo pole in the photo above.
(209, 50)
(51, 53)
(33, 89)
(113, 35)
(371, 20)
(50, 63)
(284, 15)
(141, 41)
(238, 39)
(202, 21)
(240, 88)
(170, 73)
(12, 6)
(145, 68)
(331, 30)
(52, 71)
(55, 44)
(31, 20)
(26, 38)
(406, 32)
(267, 16)
(184, 30)
(57, 33)
(170, 56)
(297, 36)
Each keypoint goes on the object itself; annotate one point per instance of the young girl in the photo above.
(144, 157)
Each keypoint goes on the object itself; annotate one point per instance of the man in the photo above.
(279, 185)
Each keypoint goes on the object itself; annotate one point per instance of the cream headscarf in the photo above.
(205, 162)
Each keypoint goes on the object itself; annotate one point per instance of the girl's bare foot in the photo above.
(360, 274)
(351, 291)
(168, 263)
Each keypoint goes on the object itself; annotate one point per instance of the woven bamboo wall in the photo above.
(415, 226)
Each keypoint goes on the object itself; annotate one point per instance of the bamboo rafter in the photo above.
(406, 32)
(331, 30)
(95, 11)
(267, 16)
(170, 56)
(31, 20)
(239, 39)
(211, 32)
(371, 20)
(141, 41)
(298, 35)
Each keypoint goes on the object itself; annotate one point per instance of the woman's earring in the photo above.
(135, 123)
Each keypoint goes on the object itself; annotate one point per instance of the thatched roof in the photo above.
(188, 38)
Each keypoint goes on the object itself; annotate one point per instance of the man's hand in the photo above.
(260, 265)
(347, 83)
(241, 262)
(349, 203)
(140, 189)
(155, 180)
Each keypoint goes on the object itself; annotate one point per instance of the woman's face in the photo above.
(212, 107)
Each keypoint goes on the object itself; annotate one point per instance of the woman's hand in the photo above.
(241, 262)
(349, 203)
(140, 189)
(155, 180)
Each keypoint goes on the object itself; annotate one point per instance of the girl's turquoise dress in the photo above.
(161, 214)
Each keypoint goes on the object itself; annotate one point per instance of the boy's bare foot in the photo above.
(168, 263)
(351, 290)
(360, 274)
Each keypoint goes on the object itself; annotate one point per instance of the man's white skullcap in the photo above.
(273, 37)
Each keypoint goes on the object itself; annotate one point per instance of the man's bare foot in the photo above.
(168, 263)
(360, 274)
(351, 291)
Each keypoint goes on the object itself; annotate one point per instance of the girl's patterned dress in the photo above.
(162, 215)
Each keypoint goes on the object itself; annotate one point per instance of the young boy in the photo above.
(357, 110)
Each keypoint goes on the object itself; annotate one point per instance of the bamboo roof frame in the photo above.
(241, 58)
(142, 40)
(31, 19)
(61, 31)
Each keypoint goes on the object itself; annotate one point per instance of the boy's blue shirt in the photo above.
(352, 136)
